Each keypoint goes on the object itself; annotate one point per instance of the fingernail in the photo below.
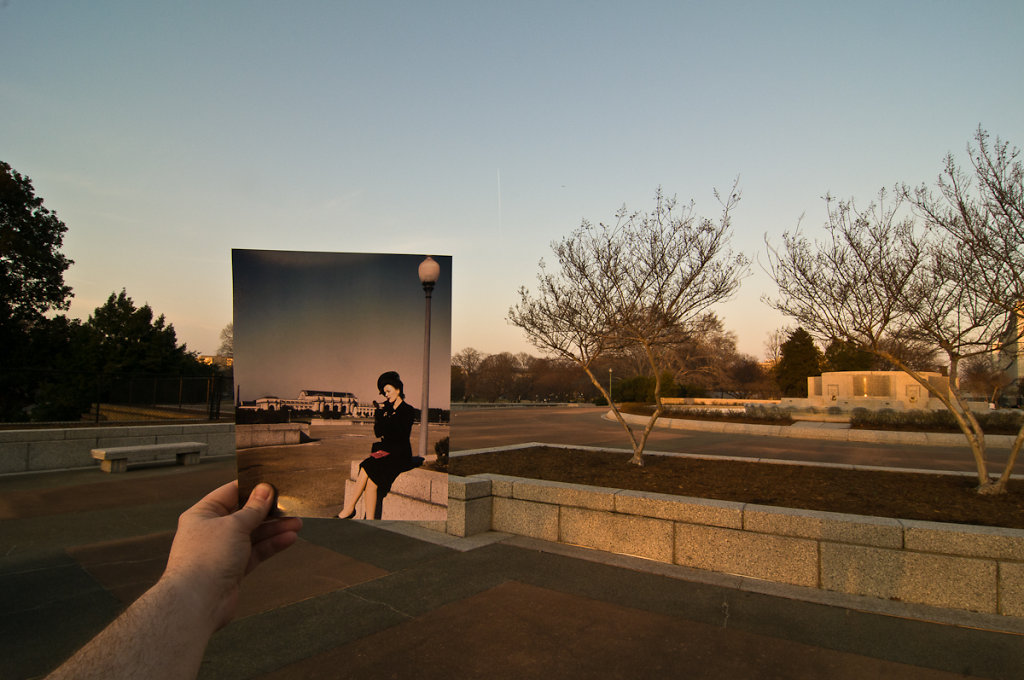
(261, 493)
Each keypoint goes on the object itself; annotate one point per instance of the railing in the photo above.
(34, 396)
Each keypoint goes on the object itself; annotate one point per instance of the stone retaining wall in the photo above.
(797, 432)
(62, 448)
(945, 565)
(278, 434)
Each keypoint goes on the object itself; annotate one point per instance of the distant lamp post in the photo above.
(610, 387)
(429, 271)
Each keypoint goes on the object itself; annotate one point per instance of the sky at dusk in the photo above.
(335, 322)
(167, 134)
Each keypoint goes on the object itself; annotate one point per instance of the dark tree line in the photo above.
(705, 364)
(49, 363)
(801, 357)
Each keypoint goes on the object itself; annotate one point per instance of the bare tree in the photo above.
(773, 343)
(985, 226)
(984, 375)
(631, 285)
(468, 360)
(227, 341)
(496, 377)
(705, 354)
(879, 282)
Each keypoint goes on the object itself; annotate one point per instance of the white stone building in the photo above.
(873, 390)
(321, 402)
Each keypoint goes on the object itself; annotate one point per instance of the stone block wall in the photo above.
(944, 565)
(277, 434)
(65, 448)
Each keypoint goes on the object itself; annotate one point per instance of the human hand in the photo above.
(216, 546)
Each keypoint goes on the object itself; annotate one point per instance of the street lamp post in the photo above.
(429, 270)
(610, 388)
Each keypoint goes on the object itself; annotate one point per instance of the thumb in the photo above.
(257, 507)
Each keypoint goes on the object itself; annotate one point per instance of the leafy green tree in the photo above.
(31, 284)
(841, 355)
(32, 275)
(65, 387)
(800, 359)
(128, 339)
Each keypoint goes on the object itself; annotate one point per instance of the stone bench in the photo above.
(116, 458)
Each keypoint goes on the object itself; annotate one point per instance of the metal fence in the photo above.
(49, 396)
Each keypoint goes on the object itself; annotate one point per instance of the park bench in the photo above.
(116, 458)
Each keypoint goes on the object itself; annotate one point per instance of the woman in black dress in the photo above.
(389, 457)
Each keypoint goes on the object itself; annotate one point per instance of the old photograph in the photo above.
(333, 377)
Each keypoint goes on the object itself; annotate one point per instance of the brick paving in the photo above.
(356, 600)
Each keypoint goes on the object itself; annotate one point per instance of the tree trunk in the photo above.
(638, 448)
(1008, 470)
(965, 420)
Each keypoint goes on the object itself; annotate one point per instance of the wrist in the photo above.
(199, 601)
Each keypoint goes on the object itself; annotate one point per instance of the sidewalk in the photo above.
(365, 600)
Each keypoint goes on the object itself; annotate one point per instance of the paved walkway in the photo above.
(356, 600)
(586, 426)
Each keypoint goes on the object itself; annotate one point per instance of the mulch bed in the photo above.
(902, 495)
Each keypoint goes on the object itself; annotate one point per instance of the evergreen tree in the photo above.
(845, 356)
(799, 360)
(128, 339)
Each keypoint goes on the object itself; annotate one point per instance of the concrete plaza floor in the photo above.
(361, 600)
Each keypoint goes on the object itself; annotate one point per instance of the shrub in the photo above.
(1001, 422)
(441, 449)
(769, 414)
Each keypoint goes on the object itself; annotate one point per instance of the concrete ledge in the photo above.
(559, 493)
(773, 558)
(612, 532)
(680, 508)
(950, 566)
(963, 539)
(829, 526)
(464, 489)
(501, 485)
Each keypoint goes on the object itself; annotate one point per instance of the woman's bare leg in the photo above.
(351, 500)
(370, 500)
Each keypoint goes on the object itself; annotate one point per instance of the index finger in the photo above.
(221, 501)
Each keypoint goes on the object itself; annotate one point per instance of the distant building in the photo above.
(216, 360)
(873, 390)
(1011, 355)
(321, 402)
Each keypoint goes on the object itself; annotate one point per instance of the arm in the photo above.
(164, 633)
(381, 416)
